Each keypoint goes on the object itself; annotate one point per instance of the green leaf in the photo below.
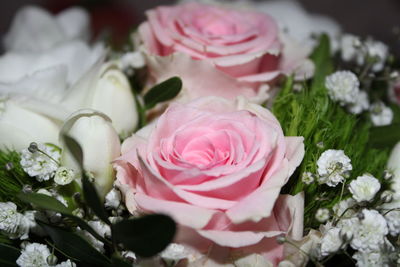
(322, 59)
(75, 149)
(93, 200)
(162, 92)
(145, 236)
(50, 203)
(8, 255)
(75, 246)
(44, 202)
(385, 136)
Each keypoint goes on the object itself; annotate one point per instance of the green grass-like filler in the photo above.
(324, 125)
(12, 180)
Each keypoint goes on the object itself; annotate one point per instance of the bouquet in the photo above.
(219, 134)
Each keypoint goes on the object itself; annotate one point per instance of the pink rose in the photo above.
(219, 51)
(217, 167)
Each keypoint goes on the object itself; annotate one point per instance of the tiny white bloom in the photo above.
(307, 178)
(376, 51)
(113, 199)
(101, 228)
(381, 114)
(41, 163)
(64, 176)
(331, 242)
(343, 208)
(347, 228)
(371, 231)
(134, 59)
(370, 259)
(67, 263)
(174, 252)
(13, 223)
(333, 166)
(391, 212)
(34, 255)
(343, 86)
(129, 255)
(361, 103)
(349, 45)
(322, 215)
(364, 188)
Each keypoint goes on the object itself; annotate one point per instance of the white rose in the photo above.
(19, 127)
(47, 30)
(100, 145)
(106, 89)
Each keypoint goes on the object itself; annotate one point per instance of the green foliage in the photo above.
(9, 255)
(324, 125)
(75, 246)
(12, 177)
(146, 236)
(161, 92)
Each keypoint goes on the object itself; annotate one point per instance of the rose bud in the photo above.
(100, 145)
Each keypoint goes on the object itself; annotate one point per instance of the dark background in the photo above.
(377, 18)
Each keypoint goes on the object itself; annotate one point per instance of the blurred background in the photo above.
(380, 19)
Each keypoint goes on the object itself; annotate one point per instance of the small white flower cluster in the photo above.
(38, 255)
(344, 87)
(52, 215)
(101, 228)
(333, 167)
(14, 224)
(363, 222)
(370, 52)
(40, 161)
(381, 114)
(364, 188)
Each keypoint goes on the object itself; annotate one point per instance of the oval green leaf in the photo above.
(162, 92)
(145, 236)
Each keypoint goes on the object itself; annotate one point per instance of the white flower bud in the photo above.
(106, 89)
(100, 145)
(322, 215)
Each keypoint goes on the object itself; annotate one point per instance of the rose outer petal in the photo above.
(260, 203)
